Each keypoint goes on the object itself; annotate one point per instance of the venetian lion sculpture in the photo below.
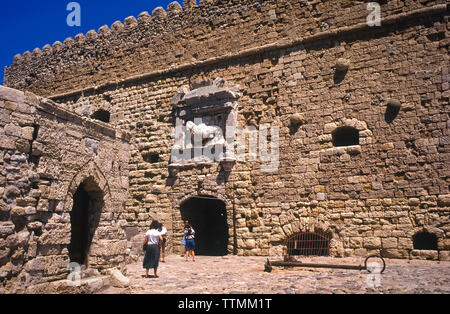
(211, 135)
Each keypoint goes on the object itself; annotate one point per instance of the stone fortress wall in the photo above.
(46, 153)
(287, 57)
(192, 36)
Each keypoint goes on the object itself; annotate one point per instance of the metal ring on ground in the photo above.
(375, 256)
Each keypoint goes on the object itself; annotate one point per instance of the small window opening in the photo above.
(151, 158)
(102, 115)
(345, 136)
(425, 241)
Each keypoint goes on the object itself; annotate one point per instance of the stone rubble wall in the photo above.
(181, 36)
(372, 197)
(45, 153)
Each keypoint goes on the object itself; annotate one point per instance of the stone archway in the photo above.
(208, 217)
(84, 220)
(87, 197)
(294, 227)
(348, 132)
(90, 169)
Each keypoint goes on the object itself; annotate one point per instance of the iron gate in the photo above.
(309, 244)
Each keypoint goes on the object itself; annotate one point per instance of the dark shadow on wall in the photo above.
(391, 113)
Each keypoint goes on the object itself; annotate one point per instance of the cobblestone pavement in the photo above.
(235, 275)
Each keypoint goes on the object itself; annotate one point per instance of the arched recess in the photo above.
(208, 216)
(85, 215)
(177, 219)
(308, 230)
(87, 197)
(309, 244)
(90, 169)
(345, 136)
(348, 132)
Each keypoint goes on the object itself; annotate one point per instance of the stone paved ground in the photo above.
(232, 275)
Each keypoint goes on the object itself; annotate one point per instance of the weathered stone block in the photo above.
(37, 149)
(55, 265)
(405, 243)
(297, 119)
(17, 211)
(395, 253)
(389, 243)
(4, 207)
(444, 200)
(424, 254)
(27, 133)
(117, 279)
(13, 130)
(34, 225)
(6, 228)
(22, 238)
(444, 255)
(372, 243)
(11, 191)
(26, 201)
(22, 146)
(35, 265)
(43, 205)
(356, 242)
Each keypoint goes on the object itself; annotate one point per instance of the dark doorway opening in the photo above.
(345, 136)
(208, 217)
(425, 241)
(84, 220)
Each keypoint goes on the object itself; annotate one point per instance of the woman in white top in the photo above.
(152, 241)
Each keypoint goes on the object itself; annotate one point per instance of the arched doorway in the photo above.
(208, 217)
(84, 220)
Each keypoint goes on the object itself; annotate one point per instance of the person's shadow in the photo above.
(149, 277)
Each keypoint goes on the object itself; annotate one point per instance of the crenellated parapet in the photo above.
(130, 22)
(183, 35)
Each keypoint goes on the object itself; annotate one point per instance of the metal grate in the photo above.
(309, 244)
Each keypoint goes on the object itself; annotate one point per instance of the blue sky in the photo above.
(27, 24)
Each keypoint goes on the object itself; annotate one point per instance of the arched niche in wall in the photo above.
(349, 135)
(345, 136)
(309, 244)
